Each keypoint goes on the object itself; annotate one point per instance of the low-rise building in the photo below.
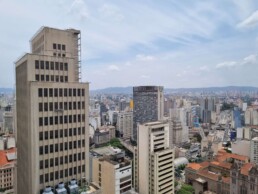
(103, 135)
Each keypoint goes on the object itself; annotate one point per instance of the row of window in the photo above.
(51, 106)
(59, 46)
(51, 78)
(61, 174)
(51, 65)
(55, 120)
(60, 92)
(48, 163)
(61, 147)
(55, 134)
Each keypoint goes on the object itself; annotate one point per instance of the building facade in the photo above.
(148, 105)
(154, 169)
(125, 124)
(254, 150)
(52, 112)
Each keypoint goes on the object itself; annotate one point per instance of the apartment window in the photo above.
(83, 105)
(70, 171)
(50, 92)
(41, 164)
(65, 92)
(47, 78)
(59, 46)
(61, 174)
(66, 159)
(65, 132)
(51, 148)
(52, 65)
(70, 119)
(63, 55)
(41, 150)
(63, 47)
(42, 78)
(61, 146)
(50, 120)
(66, 78)
(74, 92)
(66, 66)
(37, 77)
(54, 54)
(40, 135)
(66, 146)
(56, 120)
(41, 64)
(40, 121)
(56, 66)
(45, 92)
(70, 132)
(46, 121)
(56, 175)
(74, 118)
(60, 92)
(66, 172)
(79, 143)
(51, 134)
(70, 158)
(83, 155)
(56, 147)
(65, 105)
(74, 105)
(75, 144)
(75, 170)
(51, 176)
(61, 78)
(56, 92)
(79, 169)
(47, 64)
(83, 130)
(46, 135)
(79, 118)
(52, 78)
(40, 92)
(79, 105)
(51, 162)
(56, 133)
(56, 161)
(41, 179)
(57, 78)
(36, 64)
(83, 92)
(46, 163)
(83, 168)
(56, 105)
(83, 143)
(46, 149)
(40, 107)
(61, 119)
(51, 106)
(70, 145)
(70, 105)
(61, 66)
(54, 46)
(74, 131)
(45, 106)
(78, 92)
(79, 156)
(70, 92)
(65, 119)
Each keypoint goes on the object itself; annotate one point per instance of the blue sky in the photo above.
(172, 43)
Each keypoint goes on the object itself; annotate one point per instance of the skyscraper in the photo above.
(154, 162)
(52, 113)
(148, 105)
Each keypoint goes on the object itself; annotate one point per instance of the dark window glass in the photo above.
(61, 174)
(47, 78)
(79, 143)
(61, 105)
(83, 92)
(41, 150)
(56, 92)
(40, 135)
(70, 132)
(45, 106)
(52, 78)
(56, 175)
(83, 130)
(66, 172)
(42, 77)
(50, 120)
(83, 155)
(56, 105)
(46, 163)
(70, 145)
(41, 64)
(66, 78)
(56, 120)
(54, 46)
(61, 66)
(57, 78)
(59, 46)
(36, 64)
(70, 119)
(56, 161)
(40, 121)
(40, 107)
(56, 134)
(66, 132)
(51, 176)
(65, 119)
(70, 158)
(51, 148)
(41, 179)
(74, 118)
(70, 92)
(46, 178)
(47, 64)
(66, 159)
(61, 160)
(46, 121)
(79, 105)
(45, 92)
(46, 135)
(70, 105)
(52, 67)
(50, 92)
(74, 92)
(83, 105)
(70, 171)
(78, 92)
(79, 131)
(61, 78)
(74, 131)
(60, 92)
(74, 105)
(41, 164)
(79, 156)
(37, 77)
(46, 149)
(56, 147)
(66, 66)
(63, 47)
(40, 92)
(61, 119)
(61, 146)
(66, 146)
(56, 66)
(83, 168)
(65, 105)
(65, 92)
(75, 157)
(59, 54)
(51, 134)
(51, 163)
(51, 106)
(75, 144)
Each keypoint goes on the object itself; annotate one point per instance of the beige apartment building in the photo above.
(52, 113)
(112, 171)
(154, 165)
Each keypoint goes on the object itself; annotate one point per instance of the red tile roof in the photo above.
(3, 157)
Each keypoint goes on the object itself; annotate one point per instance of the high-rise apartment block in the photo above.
(148, 105)
(154, 161)
(254, 150)
(52, 113)
(125, 124)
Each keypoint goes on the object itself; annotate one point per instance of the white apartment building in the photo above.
(125, 124)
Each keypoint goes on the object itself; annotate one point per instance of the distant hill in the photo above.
(6, 90)
(129, 90)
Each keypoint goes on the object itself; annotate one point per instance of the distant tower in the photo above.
(148, 105)
(52, 113)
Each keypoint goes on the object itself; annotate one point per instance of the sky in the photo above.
(172, 43)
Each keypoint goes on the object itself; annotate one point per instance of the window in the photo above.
(56, 133)
(70, 119)
(37, 77)
(57, 78)
(54, 46)
(61, 105)
(61, 146)
(61, 119)
(83, 168)
(70, 158)
(70, 171)
(66, 172)
(56, 66)
(42, 78)
(74, 92)
(41, 64)
(46, 121)
(36, 64)
(51, 134)
(52, 65)
(56, 105)
(74, 105)
(46, 149)
(70, 132)
(61, 66)
(78, 92)
(51, 106)
(83, 92)
(70, 92)
(40, 107)
(79, 143)
(56, 147)
(56, 174)
(70, 145)
(60, 92)
(65, 105)
(66, 66)
(59, 46)
(65, 119)
(41, 150)
(66, 146)
(74, 131)
(56, 92)
(41, 179)
(83, 130)
(47, 64)
(40, 92)
(59, 54)
(46, 163)
(75, 170)
(41, 164)
(65, 132)
(63, 47)
(61, 78)
(70, 105)
(40, 135)
(45, 92)
(74, 118)
(51, 148)
(45, 106)
(61, 174)
(83, 155)
(50, 92)
(83, 105)
(51, 176)
(50, 120)
(83, 143)
(52, 78)
(47, 78)
(40, 121)
(56, 161)
(63, 55)
(66, 78)
(65, 92)
(66, 159)
(75, 144)
(79, 156)
(54, 54)
(46, 135)
(79, 118)
(56, 120)
(51, 163)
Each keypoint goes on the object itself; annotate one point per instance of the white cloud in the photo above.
(227, 64)
(141, 57)
(113, 68)
(204, 68)
(250, 21)
(251, 59)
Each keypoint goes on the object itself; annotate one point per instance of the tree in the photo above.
(186, 189)
(115, 142)
(198, 137)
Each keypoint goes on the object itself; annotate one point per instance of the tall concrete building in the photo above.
(52, 113)
(154, 161)
(125, 124)
(148, 105)
(254, 150)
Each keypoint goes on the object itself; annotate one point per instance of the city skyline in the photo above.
(197, 44)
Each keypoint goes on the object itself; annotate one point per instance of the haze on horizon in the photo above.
(177, 44)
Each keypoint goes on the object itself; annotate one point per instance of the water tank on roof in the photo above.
(48, 190)
(61, 188)
(73, 187)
